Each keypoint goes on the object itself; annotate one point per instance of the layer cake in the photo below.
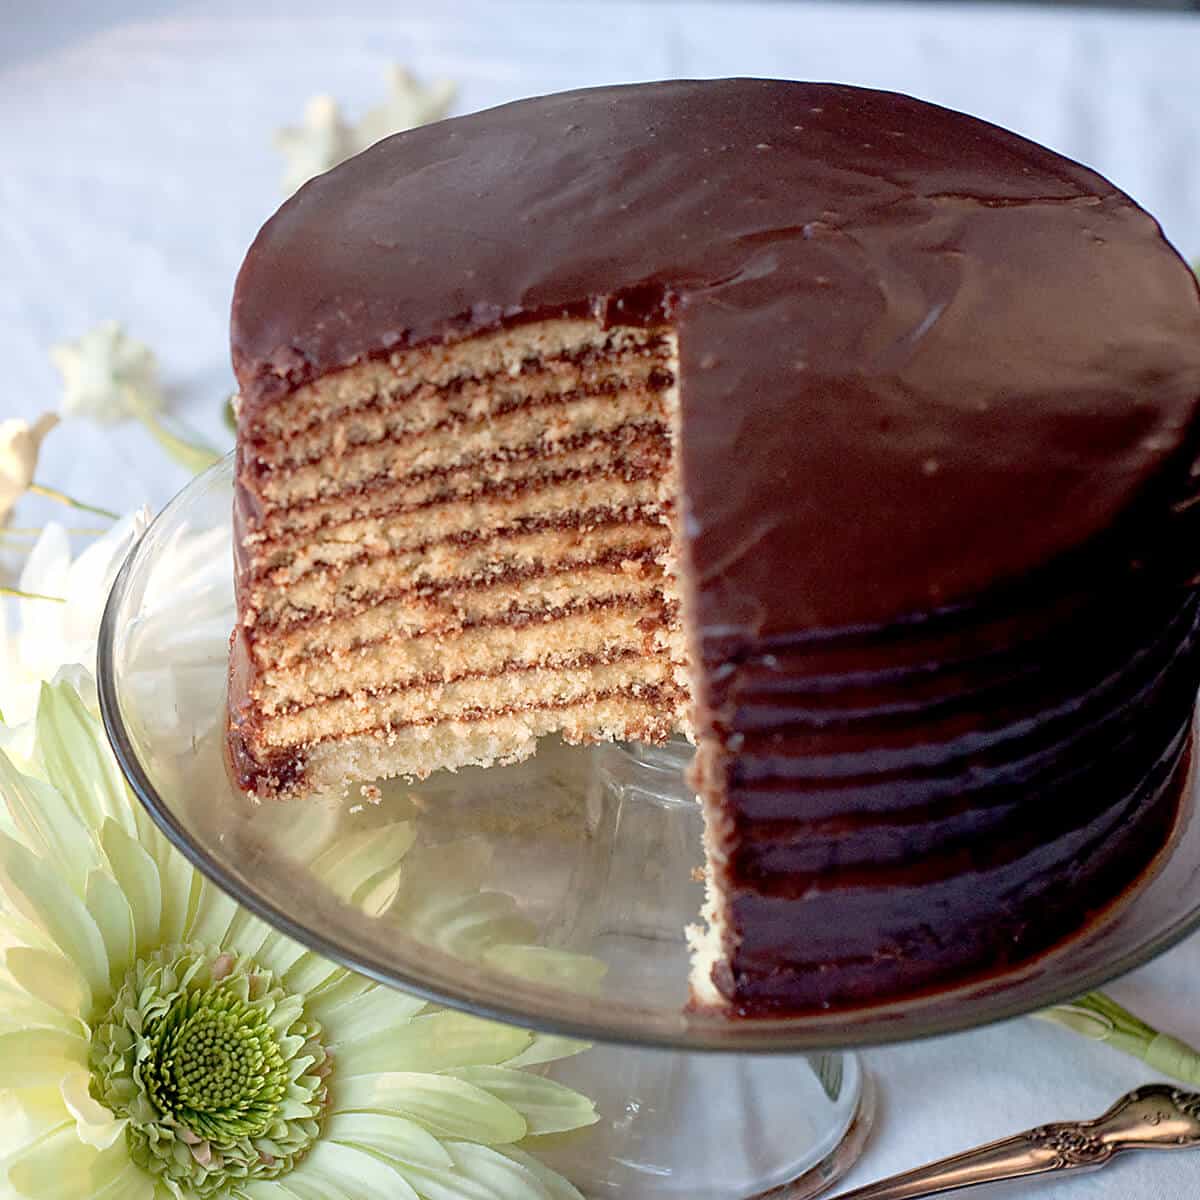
(847, 435)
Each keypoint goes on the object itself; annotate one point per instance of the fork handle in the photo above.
(1013, 1158)
(1155, 1116)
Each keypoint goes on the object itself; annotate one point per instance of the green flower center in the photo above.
(216, 1067)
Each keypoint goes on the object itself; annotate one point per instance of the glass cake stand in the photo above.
(552, 894)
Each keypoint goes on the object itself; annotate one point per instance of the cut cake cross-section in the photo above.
(459, 553)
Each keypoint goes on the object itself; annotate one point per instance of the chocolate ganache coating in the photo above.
(938, 420)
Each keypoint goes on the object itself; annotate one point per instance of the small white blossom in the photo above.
(408, 105)
(20, 443)
(325, 139)
(108, 376)
(321, 142)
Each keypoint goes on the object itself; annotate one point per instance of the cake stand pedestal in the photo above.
(552, 894)
(705, 1126)
(714, 1126)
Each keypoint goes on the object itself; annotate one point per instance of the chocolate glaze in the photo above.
(939, 394)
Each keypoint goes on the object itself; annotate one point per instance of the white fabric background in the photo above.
(136, 164)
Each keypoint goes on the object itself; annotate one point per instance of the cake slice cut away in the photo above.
(457, 551)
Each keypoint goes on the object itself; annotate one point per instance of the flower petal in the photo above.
(557, 1188)
(25, 1117)
(339, 987)
(547, 1107)
(545, 964)
(247, 934)
(548, 1047)
(389, 1135)
(45, 569)
(356, 865)
(33, 1058)
(375, 1008)
(111, 912)
(461, 923)
(95, 1125)
(445, 1106)
(131, 1184)
(429, 1043)
(303, 1189)
(331, 1164)
(46, 822)
(61, 1165)
(279, 954)
(479, 1173)
(215, 912)
(78, 761)
(264, 1189)
(19, 1010)
(23, 1008)
(32, 1135)
(43, 897)
(312, 973)
(137, 874)
(181, 886)
(50, 978)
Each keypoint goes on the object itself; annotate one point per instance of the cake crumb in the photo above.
(371, 793)
(697, 874)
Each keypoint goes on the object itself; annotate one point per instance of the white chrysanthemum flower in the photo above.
(322, 141)
(108, 376)
(409, 104)
(46, 635)
(159, 1043)
(20, 444)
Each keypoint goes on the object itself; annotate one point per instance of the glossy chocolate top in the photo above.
(919, 356)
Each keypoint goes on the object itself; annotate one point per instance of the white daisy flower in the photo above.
(107, 375)
(110, 377)
(159, 1043)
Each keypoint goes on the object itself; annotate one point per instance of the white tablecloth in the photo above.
(136, 164)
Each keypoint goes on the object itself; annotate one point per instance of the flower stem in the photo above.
(20, 595)
(1100, 1017)
(190, 452)
(40, 489)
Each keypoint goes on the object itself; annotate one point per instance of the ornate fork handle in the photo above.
(1153, 1117)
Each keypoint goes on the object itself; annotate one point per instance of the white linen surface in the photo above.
(137, 164)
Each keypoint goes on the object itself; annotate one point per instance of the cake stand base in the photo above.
(700, 1126)
(713, 1126)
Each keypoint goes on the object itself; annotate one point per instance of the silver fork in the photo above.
(1154, 1117)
